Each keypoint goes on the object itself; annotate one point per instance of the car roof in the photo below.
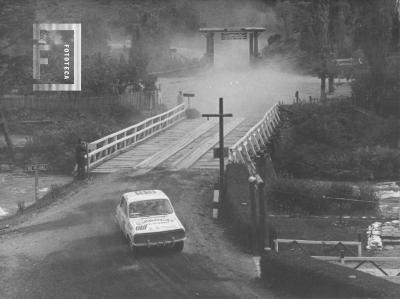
(139, 195)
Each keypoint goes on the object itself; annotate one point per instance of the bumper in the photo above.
(165, 243)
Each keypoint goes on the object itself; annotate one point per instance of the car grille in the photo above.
(158, 237)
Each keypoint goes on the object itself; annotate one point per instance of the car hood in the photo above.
(155, 223)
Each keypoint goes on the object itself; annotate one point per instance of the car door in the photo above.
(120, 213)
(125, 217)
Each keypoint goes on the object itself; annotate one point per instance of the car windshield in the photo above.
(150, 207)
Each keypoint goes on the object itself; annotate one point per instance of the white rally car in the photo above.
(147, 218)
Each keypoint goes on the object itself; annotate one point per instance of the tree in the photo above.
(320, 15)
(284, 11)
(15, 44)
(374, 36)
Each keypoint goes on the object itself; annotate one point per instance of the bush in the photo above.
(55, 143)
(306, 276)
(307, 197)
(333, 141)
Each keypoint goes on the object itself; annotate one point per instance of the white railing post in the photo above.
(256, 137)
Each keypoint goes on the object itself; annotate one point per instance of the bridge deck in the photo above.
(158, 148)
(189, 143)
(208, 160)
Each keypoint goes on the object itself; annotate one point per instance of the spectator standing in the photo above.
(80, 153)
(180, 98)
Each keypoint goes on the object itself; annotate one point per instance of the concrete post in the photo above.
(251, 46)
(255, 49)
(212, 48)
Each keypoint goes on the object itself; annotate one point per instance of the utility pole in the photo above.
(221, 116)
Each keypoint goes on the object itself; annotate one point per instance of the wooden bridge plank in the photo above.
(208, 161)
(149, 147)
(191, 157)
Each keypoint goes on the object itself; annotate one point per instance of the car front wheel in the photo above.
(132, 247)
(178, 247)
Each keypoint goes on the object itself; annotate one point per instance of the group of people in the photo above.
(297, 99)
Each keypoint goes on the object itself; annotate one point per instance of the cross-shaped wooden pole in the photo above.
(221, 116)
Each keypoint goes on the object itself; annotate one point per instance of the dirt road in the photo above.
(73, 249)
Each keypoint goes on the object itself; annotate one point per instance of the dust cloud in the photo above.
(248, 90)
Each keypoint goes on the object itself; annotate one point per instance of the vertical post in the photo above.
(342, 256)
(221, 148)
(262, 212)
(87, 156)
(211, 48)
(276, 245)
(207, 45)
(252, 195)
(255, 48)
(221, 116)
(36, 184)
(251, 44)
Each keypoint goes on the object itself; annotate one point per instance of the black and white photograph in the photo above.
(173, 149)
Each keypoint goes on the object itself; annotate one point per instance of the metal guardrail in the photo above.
(112, 145)
(255, 139)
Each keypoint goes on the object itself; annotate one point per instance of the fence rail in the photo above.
(256, 138)
(111, 145)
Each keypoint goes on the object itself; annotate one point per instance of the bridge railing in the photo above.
(111, 145)
(255, 139)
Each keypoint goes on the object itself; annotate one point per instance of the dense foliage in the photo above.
(368, 31)
(334, 141)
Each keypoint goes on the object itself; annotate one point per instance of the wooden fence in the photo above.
(112, 145)
(141, 100)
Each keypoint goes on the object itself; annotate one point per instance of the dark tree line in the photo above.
(147, 25)
(331, 29)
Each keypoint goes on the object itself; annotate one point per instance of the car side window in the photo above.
(121, 203)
